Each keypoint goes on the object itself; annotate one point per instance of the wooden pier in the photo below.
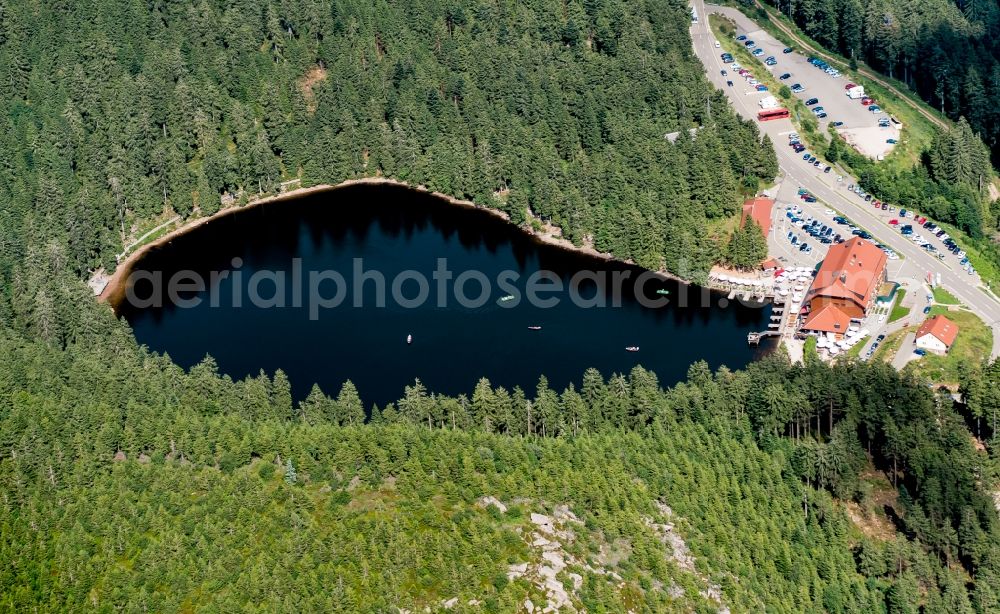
(779, 317)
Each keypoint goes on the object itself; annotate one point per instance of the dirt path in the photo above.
(131, 245)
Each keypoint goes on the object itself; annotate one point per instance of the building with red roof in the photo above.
(760, 210)
(937, 334)
(845, 287)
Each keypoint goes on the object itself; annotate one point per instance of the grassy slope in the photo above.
(974, 342)
(898, 311)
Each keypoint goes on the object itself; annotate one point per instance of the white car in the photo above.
(717, 45)
(830, 212)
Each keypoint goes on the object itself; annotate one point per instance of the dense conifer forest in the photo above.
(129, 484)
(119, 113)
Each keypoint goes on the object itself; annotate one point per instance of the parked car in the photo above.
(920, 352)
(717, 44)
(724, 73)
(849, 86)
(749, 43)
(797, 88)
(894, 222)
(787, 75)
(875, 108)
(758, 52)
(787, 50)
(891, 141)
(741, 37)
(837, 124)
(729, 83)
(867, 101)
(761, 87)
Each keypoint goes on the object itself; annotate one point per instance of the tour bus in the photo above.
(770, 114)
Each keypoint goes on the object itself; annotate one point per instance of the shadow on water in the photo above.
(394, 230)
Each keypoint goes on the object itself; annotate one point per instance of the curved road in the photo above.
(918, 261)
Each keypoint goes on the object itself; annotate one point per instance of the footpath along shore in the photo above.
(115, 284)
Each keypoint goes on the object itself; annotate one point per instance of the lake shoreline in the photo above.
(115, 287)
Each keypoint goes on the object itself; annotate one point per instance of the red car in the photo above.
(849, 86)
(921, 220)
(867, 101)
(893, 222)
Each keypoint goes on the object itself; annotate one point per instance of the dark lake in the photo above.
(454, 344)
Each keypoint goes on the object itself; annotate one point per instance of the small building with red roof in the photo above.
(937, 334)
(759, 209)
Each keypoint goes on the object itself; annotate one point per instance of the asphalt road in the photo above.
(917, 262)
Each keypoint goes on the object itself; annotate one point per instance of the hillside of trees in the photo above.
(114, 114)
(129, 484)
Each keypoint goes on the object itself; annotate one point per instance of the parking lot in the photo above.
(912, 225)
(792, 212)
(858, 124)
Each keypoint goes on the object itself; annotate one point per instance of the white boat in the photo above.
(509, 297)
(632, 348)
(534, 328)
(409, 339)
